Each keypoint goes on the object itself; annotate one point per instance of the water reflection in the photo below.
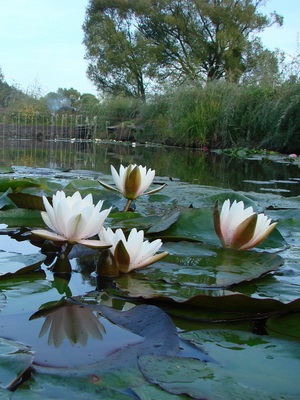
(188, 165)
(68, 320)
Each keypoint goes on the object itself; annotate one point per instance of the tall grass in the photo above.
(218, 115)
(223, 114)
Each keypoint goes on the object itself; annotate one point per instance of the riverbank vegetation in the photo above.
(219, 115)
(189, 73)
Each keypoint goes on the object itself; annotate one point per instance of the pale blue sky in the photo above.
(41, 41)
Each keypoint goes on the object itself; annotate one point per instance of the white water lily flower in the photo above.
(132, 181)
(73, 219)
(239, 227)
(133, 253)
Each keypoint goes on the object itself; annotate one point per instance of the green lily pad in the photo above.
(5, 201)
(128, 220)
(4, 169)
(165, 221)
(148, 392)
(22, 217)
(15, 360)
(17, 184)
(55, 387)
(284, 326)
(242, 361)
(219, 269)
(18, 264)
(28, 201)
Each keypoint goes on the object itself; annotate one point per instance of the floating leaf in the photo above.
(15, 360)
(56, 387)
(128, 220)
(5, 201)
(243, 359)
(17, 184)
(4, 169)
(165, 222)
(22, 217)
(18, 264)
(220, 269)
(285, 326)
(28, 201)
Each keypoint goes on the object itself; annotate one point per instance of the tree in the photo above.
(120, 57)
(261, 66)
(203, 39)
(132, 41)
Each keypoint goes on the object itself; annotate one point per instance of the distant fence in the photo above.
(55, 126)
(67, 127)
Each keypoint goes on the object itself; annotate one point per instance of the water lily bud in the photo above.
(106, 265)
(239, 227)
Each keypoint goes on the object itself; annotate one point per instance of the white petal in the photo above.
(148, 250)
(97, 244)
(51, 215)
(134, 246)
(148, 261)
(118, 179)
(62, 214)
(49, 235)
(48, 221)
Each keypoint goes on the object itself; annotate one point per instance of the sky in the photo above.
(41, 46)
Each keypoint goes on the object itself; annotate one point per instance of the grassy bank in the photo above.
(220, 115)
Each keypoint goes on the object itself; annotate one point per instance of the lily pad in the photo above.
(56, 387)
(285, 326)
(220, 269)
(243, 360)
(17, 184)
(28, 201)
(4, 169)
(15, 361)
(22, 217)
(18, 264)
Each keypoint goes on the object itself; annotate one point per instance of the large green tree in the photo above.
(120, 57)
(130, 42)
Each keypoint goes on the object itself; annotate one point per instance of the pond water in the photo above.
(257, 173)
(205, 322)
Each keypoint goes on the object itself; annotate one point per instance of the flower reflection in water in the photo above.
(69, 320)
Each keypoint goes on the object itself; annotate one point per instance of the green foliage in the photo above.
(223, 114)
(134, 43)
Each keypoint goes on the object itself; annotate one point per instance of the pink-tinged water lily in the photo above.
(132, 181)
(239, 227)
(133, 252)
(73, 219)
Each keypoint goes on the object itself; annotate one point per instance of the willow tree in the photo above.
(130, 42)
